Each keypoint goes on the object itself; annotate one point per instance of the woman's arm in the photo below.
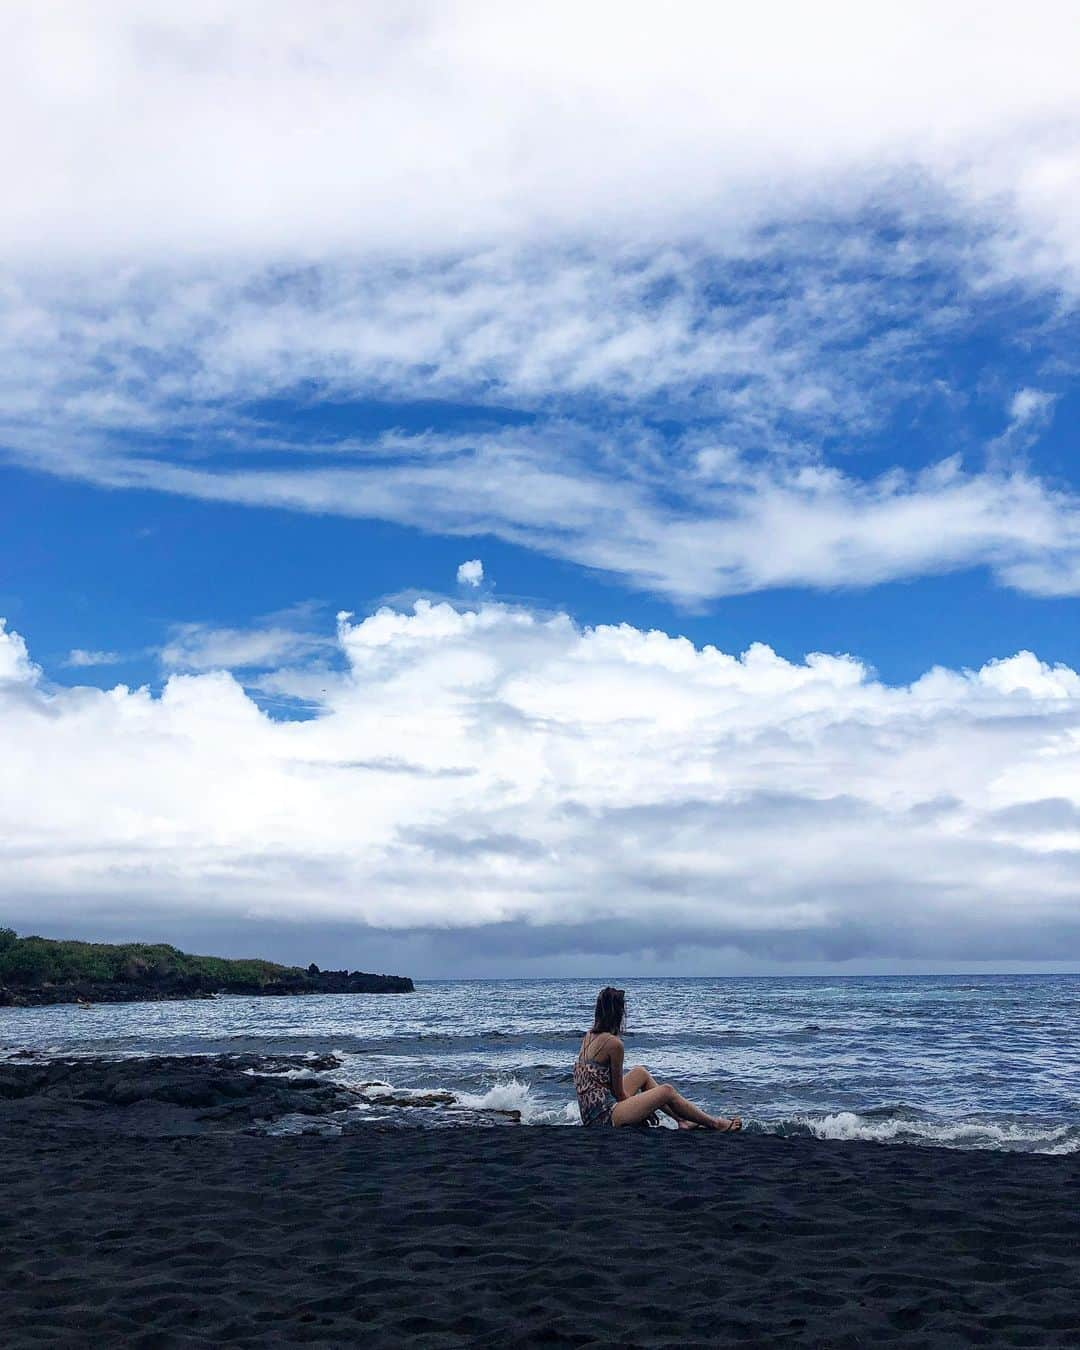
(615, 1059)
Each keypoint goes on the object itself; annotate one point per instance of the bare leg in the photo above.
(690, 1117)
(634, 1109)
(639, 1079)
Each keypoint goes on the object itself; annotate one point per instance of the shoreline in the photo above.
(197, 989)
(522, 1237)
(89, 997)
(269, 1088)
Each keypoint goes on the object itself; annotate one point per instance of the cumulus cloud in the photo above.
(471, 573)
(16, 669)
(498, 772)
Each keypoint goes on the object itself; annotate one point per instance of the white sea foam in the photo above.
(311, 1075)
(955, 1134)
(505, 1094)
(508, 1094)
(1059, 1150)
(511, 1094)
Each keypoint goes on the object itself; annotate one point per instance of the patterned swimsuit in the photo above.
(593, 1083)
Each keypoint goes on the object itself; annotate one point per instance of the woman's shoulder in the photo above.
(605, 1040)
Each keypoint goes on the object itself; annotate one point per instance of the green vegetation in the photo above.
(38, 961)
(36, 971)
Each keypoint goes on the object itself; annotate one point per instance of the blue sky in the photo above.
(115, 569)
(758, 334)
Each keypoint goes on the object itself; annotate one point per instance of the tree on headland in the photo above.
(7, 938)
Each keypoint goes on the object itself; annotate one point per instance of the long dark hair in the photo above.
(610, 1012)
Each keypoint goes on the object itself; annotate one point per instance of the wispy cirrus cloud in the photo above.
(698, 264)
(79, 657)
(197, 646)
(704, 525)
(593, 359)
(782, 339)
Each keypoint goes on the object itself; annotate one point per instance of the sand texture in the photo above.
(527, 1236)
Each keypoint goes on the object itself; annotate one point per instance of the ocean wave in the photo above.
(509, 1094)
(438, 1100)
(901, 1128)
(897, 1122)
(512, 1094)
(559, 1046)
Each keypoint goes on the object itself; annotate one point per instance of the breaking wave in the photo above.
(514, 1095)
(902, 1129)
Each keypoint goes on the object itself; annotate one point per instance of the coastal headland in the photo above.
(36, 971)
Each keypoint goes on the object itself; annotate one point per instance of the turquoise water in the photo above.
(964, 1061)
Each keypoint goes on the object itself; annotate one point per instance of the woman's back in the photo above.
(592, 1080)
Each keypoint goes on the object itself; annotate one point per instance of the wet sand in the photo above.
(524, 1236)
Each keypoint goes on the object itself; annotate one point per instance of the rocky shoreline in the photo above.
(176, 1095)
(155, 988)
(168, 1094)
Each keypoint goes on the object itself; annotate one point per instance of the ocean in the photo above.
(979, 1062)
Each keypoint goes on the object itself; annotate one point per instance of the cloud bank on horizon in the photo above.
(532, 785)
(706, 301)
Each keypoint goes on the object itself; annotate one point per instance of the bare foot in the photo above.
(726, 1126)
(688, 1125)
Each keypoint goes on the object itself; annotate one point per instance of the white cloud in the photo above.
(471, 573)
(741, 501)
(491, 767)
(806, 342)
(16, 668)
(196, 646)
(222, 128)
(78, 657)
(758, 222)
(1030, 405)
(1030, 412)
(704, 515)
(504, 240)
(692, 526)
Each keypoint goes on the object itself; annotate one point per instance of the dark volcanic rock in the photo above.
(176, 1093)
(153, 987)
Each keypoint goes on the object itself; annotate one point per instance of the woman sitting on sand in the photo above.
(607, 1096)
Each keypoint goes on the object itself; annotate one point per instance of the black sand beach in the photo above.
(119, 1226)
